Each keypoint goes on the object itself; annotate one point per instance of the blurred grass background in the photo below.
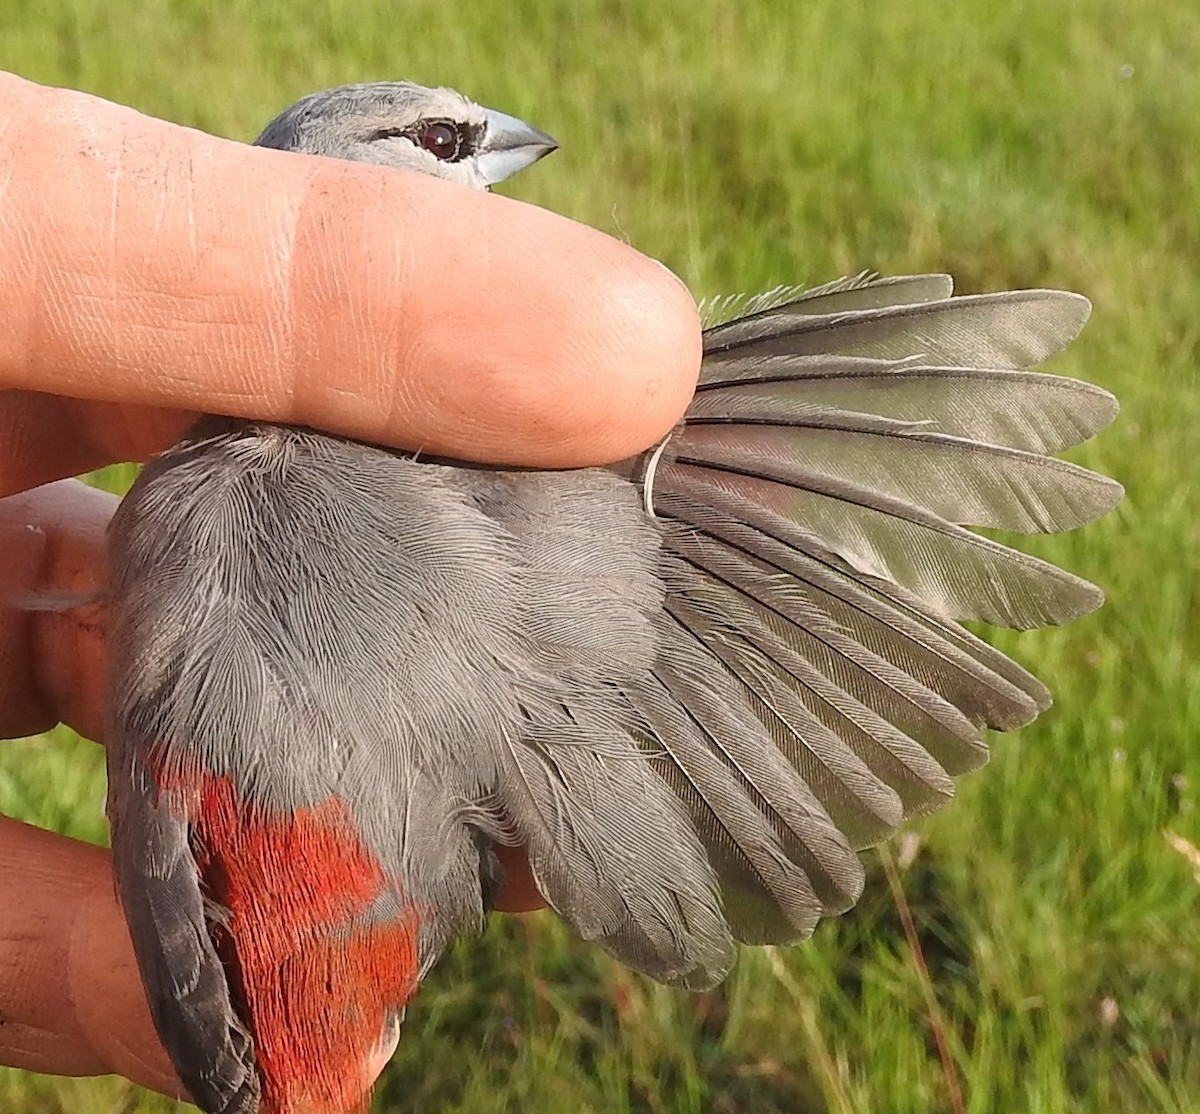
(1020, 143)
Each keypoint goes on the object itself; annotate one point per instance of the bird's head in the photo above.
(399, 124)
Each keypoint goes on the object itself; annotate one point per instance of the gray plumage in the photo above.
(693, 685)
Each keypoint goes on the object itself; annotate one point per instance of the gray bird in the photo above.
(692, 685)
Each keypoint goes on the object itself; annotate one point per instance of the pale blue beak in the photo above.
(510, 145)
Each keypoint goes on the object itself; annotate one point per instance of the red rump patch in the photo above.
(313, 975)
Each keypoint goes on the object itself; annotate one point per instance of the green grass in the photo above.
(1034, 142)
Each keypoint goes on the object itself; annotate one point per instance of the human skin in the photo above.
(149, 272)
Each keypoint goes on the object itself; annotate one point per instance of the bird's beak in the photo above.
(511, 145)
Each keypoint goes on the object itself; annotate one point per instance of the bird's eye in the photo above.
(441, 139)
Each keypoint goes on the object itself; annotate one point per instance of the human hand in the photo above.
(149, 272)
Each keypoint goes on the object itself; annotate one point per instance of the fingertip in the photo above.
(650, 366)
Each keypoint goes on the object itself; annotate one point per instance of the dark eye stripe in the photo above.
(444, 139)
(389, 133)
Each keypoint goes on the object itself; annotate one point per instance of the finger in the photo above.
(46, 437)
(518, 890)
(52, 662)
(142, 262)
(71, 998)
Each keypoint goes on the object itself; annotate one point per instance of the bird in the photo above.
(692, 686)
